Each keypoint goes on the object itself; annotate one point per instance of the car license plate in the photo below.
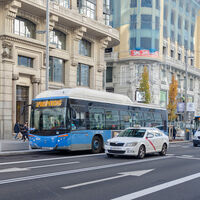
(115, 148)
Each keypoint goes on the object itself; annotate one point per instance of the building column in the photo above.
(74, 5)
(15, 77)
(35, 81)
(99, 10)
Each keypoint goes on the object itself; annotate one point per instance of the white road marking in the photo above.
(170, 154)
(47, 159)
(16, 169)
(26, 178)
(184, 157)
(188, 156)
(157, 188)
(123, 174)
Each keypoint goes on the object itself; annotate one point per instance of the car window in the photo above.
(158, 134)
(150, 135)
(139, 133)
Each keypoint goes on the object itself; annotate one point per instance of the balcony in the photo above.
(73, 19)
(111, 56)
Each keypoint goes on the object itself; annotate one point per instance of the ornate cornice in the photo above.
(7, 50)
(15, 77)
(104, 42)
(12, 8)
(35, 80)
(78, 33)
(29, 16)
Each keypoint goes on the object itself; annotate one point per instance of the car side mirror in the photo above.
(149, 135)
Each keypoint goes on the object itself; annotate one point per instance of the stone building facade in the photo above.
(79, 34)
(162, 35)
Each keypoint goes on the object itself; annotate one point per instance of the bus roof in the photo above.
(93, 95)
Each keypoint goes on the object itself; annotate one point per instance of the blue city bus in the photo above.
(83, 119)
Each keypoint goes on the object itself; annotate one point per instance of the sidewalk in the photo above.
(16, 147)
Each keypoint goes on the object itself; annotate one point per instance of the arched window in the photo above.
(58, 38)
(24, 27)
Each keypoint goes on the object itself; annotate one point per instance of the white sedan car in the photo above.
(138, 142)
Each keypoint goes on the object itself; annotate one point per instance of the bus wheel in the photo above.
(97, 145)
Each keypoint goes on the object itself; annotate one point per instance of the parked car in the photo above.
(196, 138)
(138, 142)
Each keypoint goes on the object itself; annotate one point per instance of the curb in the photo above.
(11, 153)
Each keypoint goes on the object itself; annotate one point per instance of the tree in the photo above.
(172, 105)
(144, 85)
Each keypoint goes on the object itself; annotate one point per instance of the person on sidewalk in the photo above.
(174, 132)
(16, 129)
(25, 132)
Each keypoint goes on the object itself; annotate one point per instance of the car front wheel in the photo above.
(141, 152)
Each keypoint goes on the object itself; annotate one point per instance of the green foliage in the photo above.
(144, 85)
(172, 106)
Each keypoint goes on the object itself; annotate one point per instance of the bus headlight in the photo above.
(131, 144)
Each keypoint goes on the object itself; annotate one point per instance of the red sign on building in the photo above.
(145, 53)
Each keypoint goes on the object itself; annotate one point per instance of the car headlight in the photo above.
(195, 137)
(131, 144)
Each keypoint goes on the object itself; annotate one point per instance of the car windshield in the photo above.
(139, 133)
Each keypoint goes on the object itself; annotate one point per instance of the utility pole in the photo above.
(186, 98)
(47, 44)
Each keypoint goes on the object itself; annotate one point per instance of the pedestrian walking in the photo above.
(174, 132)
(16, 129)
(25, 132)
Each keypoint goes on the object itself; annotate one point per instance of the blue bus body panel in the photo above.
(65, 141)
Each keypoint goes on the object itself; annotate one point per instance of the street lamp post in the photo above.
(185, 110)
(47, 44)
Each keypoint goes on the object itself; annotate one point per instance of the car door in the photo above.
(158, 140)
(150, 142)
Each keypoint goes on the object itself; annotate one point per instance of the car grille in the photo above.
(116, 151)
(116, 144)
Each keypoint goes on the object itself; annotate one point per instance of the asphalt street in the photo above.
(81, 175)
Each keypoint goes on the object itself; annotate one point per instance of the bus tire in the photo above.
(97, 144)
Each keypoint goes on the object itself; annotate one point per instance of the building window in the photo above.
(179, 56)
(172, 17)
(186, 44)
(179, 22)
(56, 70)
(192, 46)
(83, 75)
(24, 27)
(132, 43)
(192, 62)
(172, 53)
(64, 3)
(165, 32)
(25, 61)
(157, 45)
(109, 72)
(193, 13)
(58, 38)
(158, 4)
(191, 84)
(186, 25)
(87, 7)
(157, 23)
(165, 12)
(146, 21)
(133, 4)
(147, 3)
(188, 8)
(192, 30)
(85, 47)
(163, 76)
(164, 50)
(106, 12)
(181, 4)
(179, 81)
(145, 43)
(172, 36)
(179, 40)
(133, 23)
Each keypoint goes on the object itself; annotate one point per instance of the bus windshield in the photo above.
(49, 118)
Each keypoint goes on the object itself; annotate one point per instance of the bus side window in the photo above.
(125, 119)
(78, 120)
(97, 118)
(112, 119)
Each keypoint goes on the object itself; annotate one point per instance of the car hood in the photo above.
(197, 133)
(125, 139)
